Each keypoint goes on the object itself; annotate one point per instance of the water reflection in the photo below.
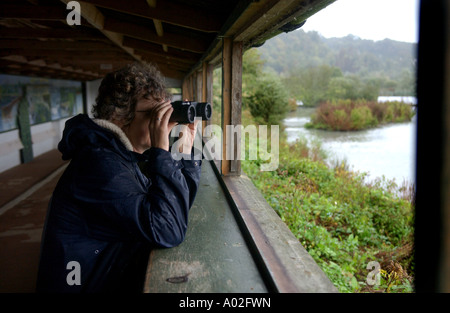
(387, 150)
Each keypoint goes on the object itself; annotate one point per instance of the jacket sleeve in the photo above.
(117, 202)
(174, 185)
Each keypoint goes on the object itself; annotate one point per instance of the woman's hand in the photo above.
(159, 126)
(186, 137)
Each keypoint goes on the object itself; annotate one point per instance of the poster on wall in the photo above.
(71, 101)
(55, 98)
(38, 98)
(48, 99)
(9, 102)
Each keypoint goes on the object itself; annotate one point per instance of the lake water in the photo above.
(388, 150)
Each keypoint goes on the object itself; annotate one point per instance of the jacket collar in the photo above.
(116, 131)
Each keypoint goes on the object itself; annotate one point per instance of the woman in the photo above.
(122, 192)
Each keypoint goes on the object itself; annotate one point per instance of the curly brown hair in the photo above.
(120, 90)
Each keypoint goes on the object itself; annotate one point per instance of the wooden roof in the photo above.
(177, 35)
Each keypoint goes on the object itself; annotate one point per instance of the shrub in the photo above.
(356, 115)
(341, 220)
(361, 118)
(378, 111)
(340, 119)
(268, 102)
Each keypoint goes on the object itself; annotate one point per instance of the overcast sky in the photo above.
(368, 19)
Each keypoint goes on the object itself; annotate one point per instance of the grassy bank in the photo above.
(342, 221)
(347, 115)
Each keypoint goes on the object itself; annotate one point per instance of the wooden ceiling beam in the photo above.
(56, 75)
(46, 74)
(269, 17)
(20, 61)
(33, 12)
(99, 54)
(191, 43)
(143, 45)
(173, 65)
(157, 23)
(169, 72)
(99, 67)
(166, 11)
(215, 48)
(96, 19)
(165, 58)
(95, 63)
(56, 45)
(79, 33)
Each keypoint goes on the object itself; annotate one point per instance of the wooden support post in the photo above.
(226, 100)
(191, 87)
(231, 105)
(236, 103)
(198, 86)
(207, 87)
(184, 88)
(187, 91)
(204, 80)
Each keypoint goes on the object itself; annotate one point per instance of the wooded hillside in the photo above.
(391, 63)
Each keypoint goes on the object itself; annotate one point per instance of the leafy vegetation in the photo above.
(318, 84)
(346, 115)
(343, 221)
(268, 103)
(345, 68)
(263, 93)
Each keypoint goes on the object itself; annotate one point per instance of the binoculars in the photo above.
(184, 112)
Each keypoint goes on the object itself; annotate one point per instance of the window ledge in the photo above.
(235, 243)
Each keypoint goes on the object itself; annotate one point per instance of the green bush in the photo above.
(356, 115)
(343, 221)
(362, 118)
(268, 102)
(340, 117)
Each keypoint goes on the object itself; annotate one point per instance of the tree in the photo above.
(353, 87)
(252, 68)
(392, 61)
(342, 88)
(268, 101)
(407, 84)
(313, 83)
(370, 89)
(252, 64)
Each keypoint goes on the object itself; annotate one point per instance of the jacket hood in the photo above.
(82, 132)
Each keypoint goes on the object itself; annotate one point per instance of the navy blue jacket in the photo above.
(107, 214)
